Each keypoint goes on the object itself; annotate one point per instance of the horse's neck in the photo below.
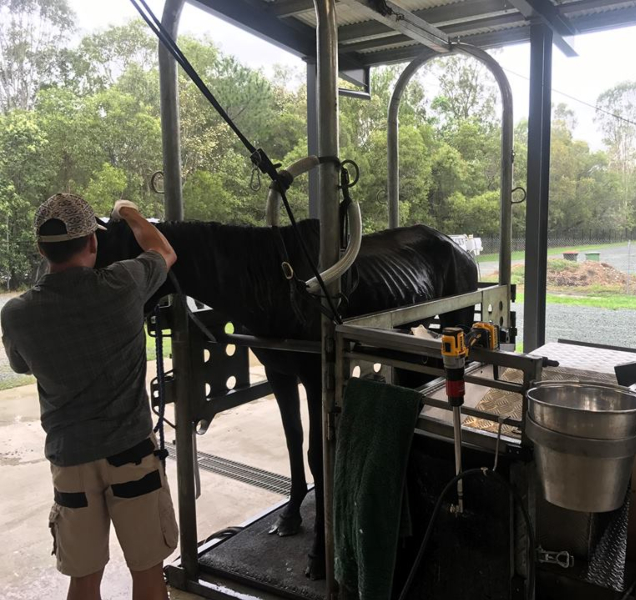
(196, 268)
(217, 266)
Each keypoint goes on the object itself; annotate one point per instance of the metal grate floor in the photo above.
(266, 480)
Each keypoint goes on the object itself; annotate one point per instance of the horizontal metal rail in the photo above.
(391, 361)
(402, 342)
(252, 341)
(483, 381)
(415, 312)
(472, 412)
(474, 438)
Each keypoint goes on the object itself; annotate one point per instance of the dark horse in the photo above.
(237, 271)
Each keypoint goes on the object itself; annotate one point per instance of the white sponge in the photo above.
(114, 215)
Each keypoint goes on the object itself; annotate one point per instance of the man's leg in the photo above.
(87, 588)
(142, 513)
(149, 584)
(80, 525)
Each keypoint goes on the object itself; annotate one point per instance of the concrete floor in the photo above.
(251, 434)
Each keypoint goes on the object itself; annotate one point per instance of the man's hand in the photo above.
(116, 214)
(146, 234)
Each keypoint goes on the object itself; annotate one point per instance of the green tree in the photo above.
(32, 34)
(466, 91)
(616, 117)
(578, 179)
(23, 170)
(102, 57)
(126, 134)
(23, 155)
(104, 188)
(18, 255)
(73, 154)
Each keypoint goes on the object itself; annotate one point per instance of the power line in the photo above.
(599, 109)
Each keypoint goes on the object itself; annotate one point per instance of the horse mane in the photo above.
(237, 268)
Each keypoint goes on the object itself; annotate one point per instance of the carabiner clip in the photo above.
(255, 180)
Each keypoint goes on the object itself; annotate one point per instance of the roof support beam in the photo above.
(613, 19)
(459, 30)
(547, 13)
(438, 17)
(299, 39)
(404, 21)
(291, 8)
(483, 40)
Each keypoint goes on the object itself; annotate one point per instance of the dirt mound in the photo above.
(565, 274)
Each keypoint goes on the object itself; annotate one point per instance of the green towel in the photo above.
(374, 439)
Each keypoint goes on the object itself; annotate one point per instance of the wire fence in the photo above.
(565, 239)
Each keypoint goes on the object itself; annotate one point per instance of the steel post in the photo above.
(507, 149)
(312, 138)
(170, 129)
(539, 123)
(180, 349)
(327, 53)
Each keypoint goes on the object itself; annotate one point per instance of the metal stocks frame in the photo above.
(339, 344)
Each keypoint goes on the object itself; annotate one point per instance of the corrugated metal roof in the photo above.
(367, 38)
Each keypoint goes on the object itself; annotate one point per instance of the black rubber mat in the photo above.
(269, 562)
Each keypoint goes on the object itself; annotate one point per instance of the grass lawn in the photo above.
(520, 254)
(609, 301)
(16, 381)
(151, 352)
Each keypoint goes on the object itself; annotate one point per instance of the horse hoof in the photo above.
(316, 568)
(287, 525)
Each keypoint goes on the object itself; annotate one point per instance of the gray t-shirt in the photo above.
(81, 333)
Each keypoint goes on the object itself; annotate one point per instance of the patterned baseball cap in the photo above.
(74, 212)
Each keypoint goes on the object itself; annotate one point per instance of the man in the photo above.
(80, 331)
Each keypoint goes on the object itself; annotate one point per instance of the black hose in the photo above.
(223, 534)
(429, 530)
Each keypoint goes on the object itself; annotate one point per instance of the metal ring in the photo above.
(519, 189)
(157, 175)
(288, 270)
(356, 168)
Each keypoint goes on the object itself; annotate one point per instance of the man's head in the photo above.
(65, 228)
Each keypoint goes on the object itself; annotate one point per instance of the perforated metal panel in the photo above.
(221, 377)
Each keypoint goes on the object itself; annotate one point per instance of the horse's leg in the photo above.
(285, 388)
(316, 566)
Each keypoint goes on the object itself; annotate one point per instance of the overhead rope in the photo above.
(257, 155)
(166, 39)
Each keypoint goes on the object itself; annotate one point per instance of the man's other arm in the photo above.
(17, 363)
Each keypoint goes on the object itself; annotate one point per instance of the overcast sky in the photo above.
(605, 59)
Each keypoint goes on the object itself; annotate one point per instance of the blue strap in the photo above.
(159, 427)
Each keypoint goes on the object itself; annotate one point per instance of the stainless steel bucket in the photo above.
(585, 442)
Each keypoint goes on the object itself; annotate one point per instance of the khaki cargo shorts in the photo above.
(126, 489)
